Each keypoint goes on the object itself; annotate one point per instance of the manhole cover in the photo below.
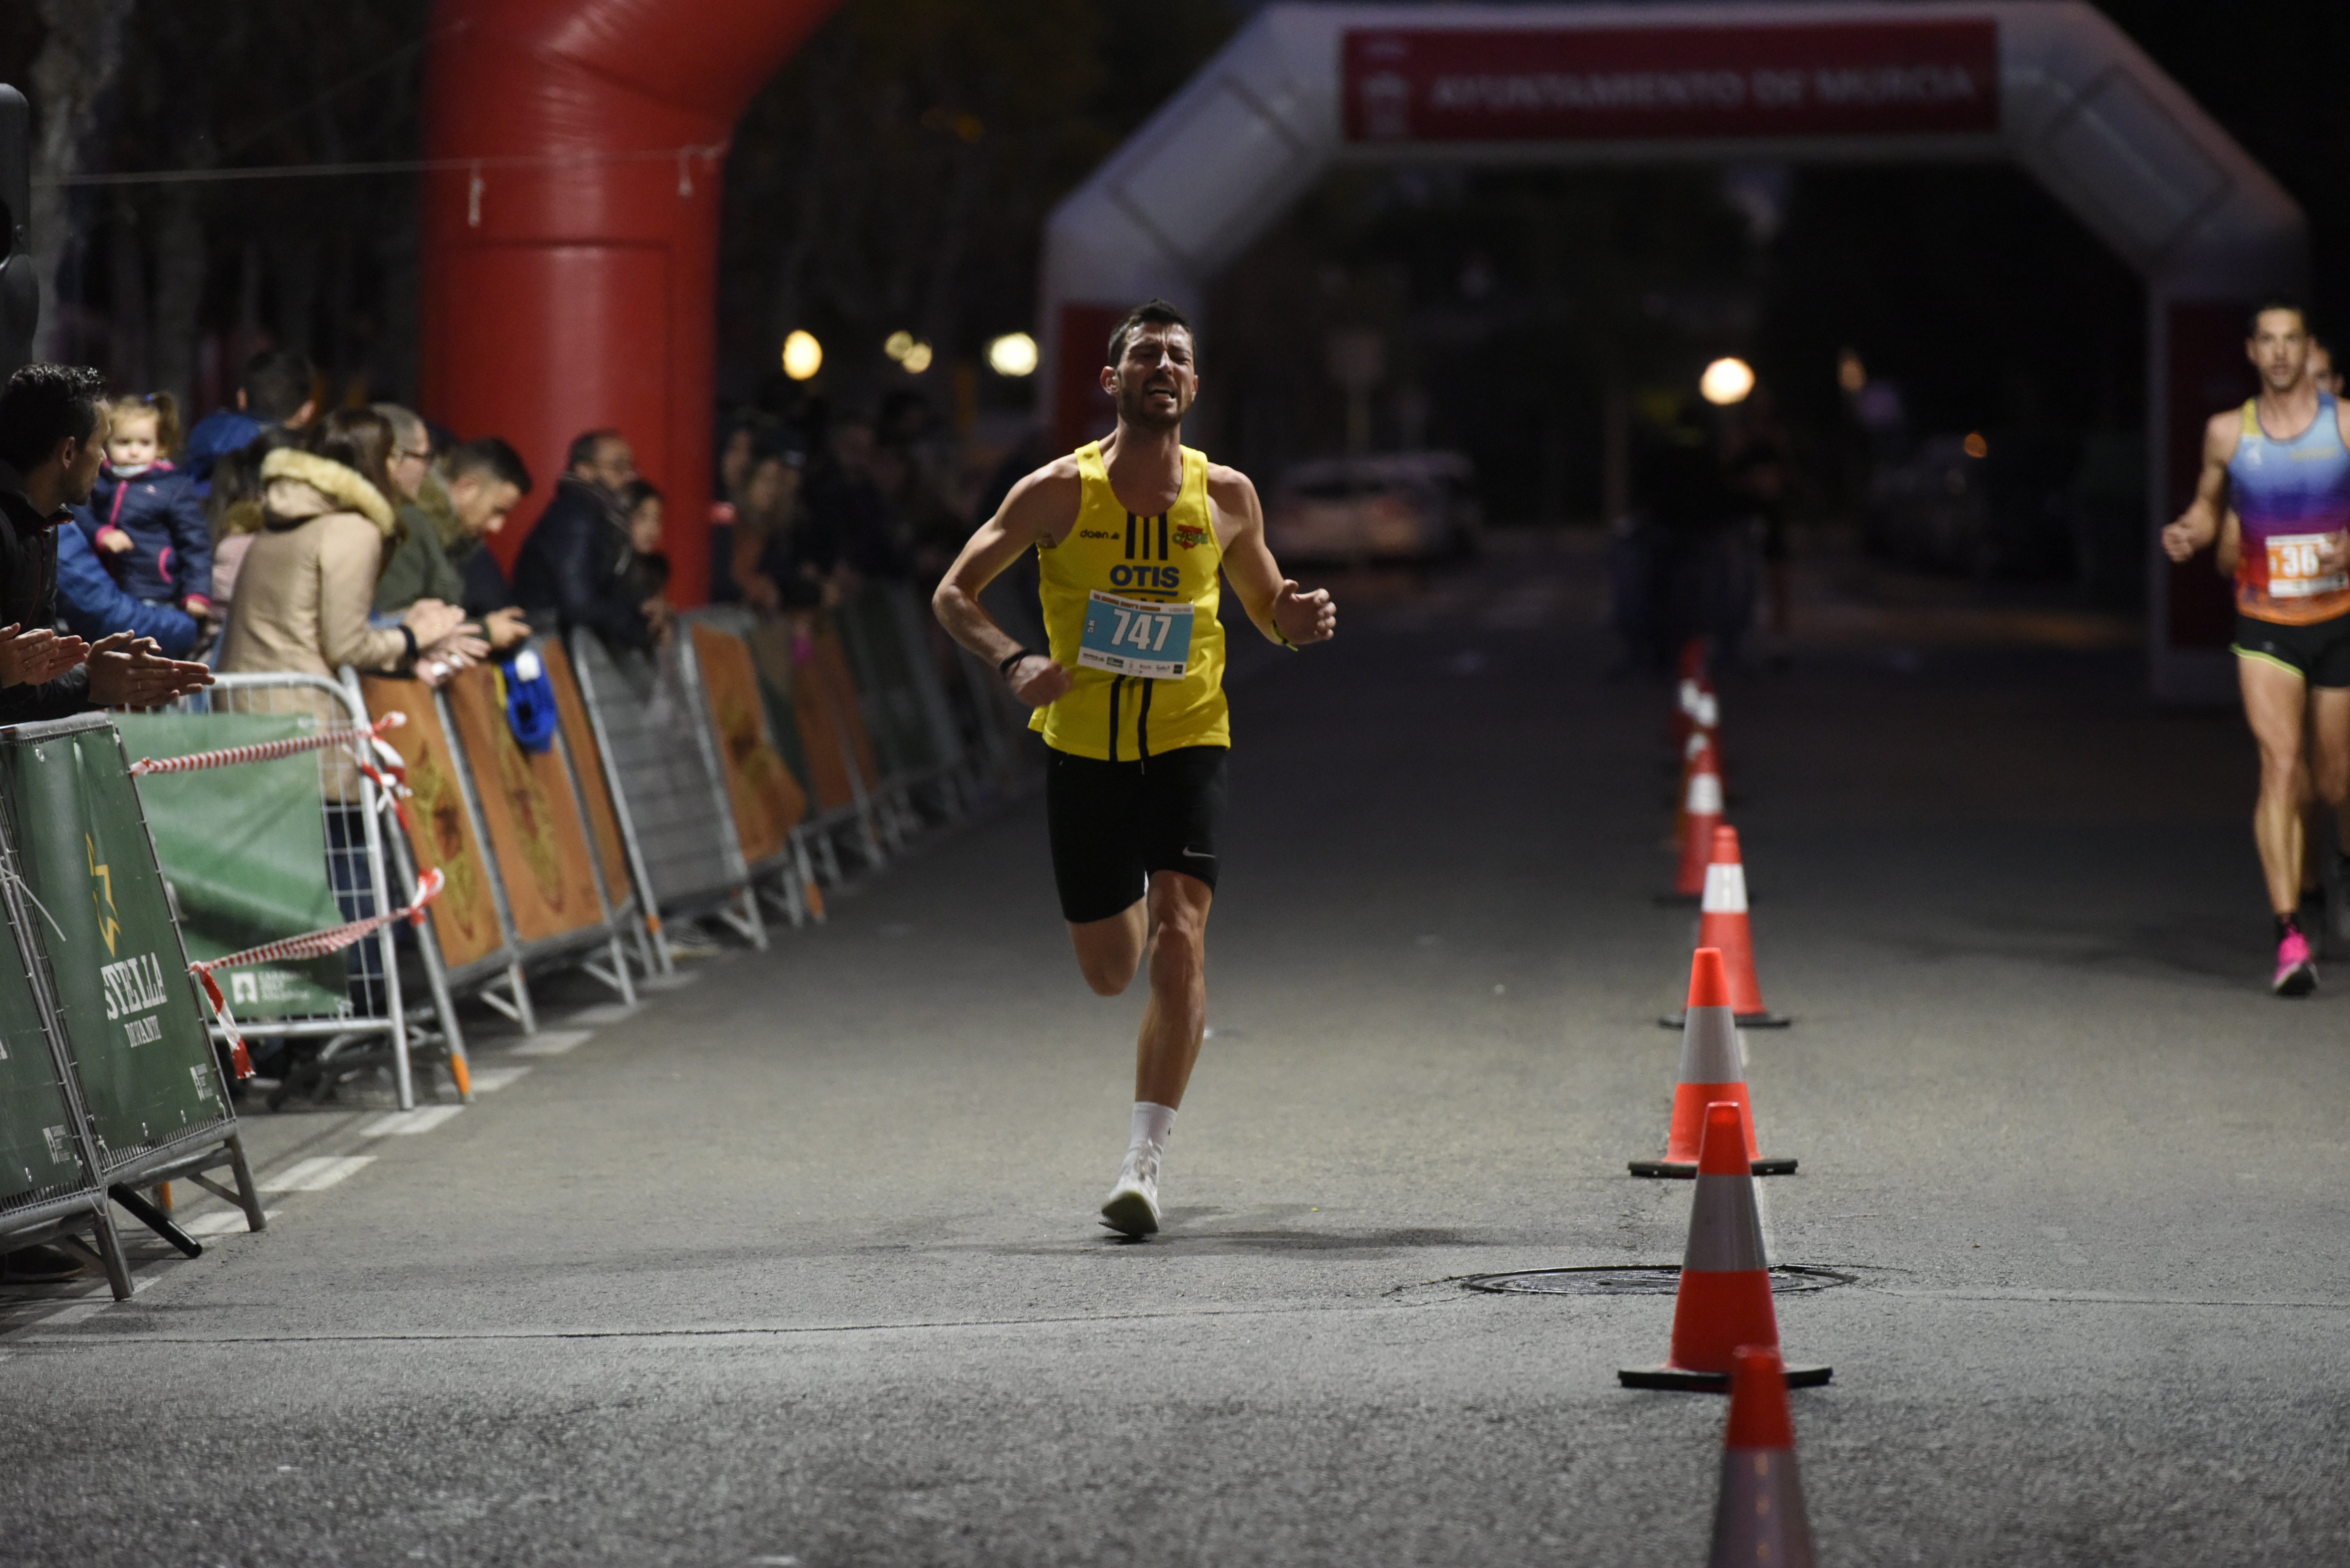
(1638, 1280)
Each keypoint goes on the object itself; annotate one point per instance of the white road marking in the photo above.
(677, 982)
(421, 1120)
(317, 1173)
(69, 1316)
(553, 1042)
(603, 1013)
(222, 1222)
(486, 1079)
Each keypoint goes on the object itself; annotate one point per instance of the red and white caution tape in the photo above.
(269, 751)
(316, 944)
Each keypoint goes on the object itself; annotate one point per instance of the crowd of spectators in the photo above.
(813, 506)
(280, 535)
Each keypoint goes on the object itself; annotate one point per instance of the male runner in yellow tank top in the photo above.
(1130, 535)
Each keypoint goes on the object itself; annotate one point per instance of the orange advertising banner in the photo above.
(465, 917)
(768, 802)
(587, 762)
(528, 807)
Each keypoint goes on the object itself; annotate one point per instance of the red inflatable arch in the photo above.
(570, 262)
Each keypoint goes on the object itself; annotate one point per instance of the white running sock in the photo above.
(1147, 1141)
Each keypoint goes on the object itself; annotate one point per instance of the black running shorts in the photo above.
(2319, 652)
(1114, 824)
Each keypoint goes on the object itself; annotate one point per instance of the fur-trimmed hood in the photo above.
(302, 485)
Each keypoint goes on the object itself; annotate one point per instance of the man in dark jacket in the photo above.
(273, 391)
(575, 561)
(52, 428)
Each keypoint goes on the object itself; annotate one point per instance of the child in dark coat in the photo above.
(144, 518)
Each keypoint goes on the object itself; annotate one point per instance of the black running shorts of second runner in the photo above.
(1114, 824)
(2318, 652)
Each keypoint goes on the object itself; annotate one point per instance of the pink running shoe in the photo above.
(2295, 975)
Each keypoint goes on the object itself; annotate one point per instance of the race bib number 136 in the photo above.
(1136, 637)
(2296, 570)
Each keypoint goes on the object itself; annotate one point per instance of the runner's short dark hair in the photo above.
(2278, 302)
(276, 383)
(1150, 313)
(584, 445)
(493, 457)
(42, 405)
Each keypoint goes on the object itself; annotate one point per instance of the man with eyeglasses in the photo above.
(420, 567)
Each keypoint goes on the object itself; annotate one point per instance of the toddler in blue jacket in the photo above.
(144, 518)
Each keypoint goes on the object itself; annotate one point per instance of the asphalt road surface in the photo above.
(798, 1264)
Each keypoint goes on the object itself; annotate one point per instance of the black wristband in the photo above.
(1011, 659)
(409, 635)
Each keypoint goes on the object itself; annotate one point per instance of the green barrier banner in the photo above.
(37, 1158)
(124, 1001)
(244, 849)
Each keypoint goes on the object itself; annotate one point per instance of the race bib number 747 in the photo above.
(1136, 637)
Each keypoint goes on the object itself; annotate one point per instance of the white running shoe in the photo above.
(1132, 1207)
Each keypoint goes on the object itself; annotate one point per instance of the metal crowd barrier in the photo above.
(764, 801)
(552, 893)
(525, 889)
(661, 764)
(806, 726)
(354, 1007)
(886, 645)
(583, 760)
(130, 1064)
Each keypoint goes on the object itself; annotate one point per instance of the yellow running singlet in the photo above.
(1111, 560)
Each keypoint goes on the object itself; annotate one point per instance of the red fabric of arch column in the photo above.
(570, 269)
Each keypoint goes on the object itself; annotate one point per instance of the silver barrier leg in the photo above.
(615, 973)
(244, 1195)
(806, 869)
(107, 1254)
(516, 1003)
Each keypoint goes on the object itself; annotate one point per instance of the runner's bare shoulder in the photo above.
(2222, 433)
(1043, 505)
(1234, 494)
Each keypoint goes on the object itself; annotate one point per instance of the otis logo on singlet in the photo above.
(1169, 579)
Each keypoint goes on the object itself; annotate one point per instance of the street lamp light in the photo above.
(803, 356)
(1014, 354)
(1726, 381)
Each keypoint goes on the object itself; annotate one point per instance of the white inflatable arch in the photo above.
(2050, 85)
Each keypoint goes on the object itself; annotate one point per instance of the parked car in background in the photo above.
(1397, 506)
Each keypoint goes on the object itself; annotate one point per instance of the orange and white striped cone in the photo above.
(1700, 815)
(1687, 686)
(1722, 923)
(1693, 747)
(1724, 1300)
(1759, 1521)
(1713, 1070)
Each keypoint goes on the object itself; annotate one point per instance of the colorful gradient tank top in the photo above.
(2292, 495)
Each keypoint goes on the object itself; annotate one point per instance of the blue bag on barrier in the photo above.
(529, 698)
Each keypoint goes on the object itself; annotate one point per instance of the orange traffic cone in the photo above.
(1760, 1519)
(1688, 687)
(1700, 815)
(1713, 1070)
(1722, 923)
(1724, 1300)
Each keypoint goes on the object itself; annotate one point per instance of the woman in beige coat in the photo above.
(304, 586)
